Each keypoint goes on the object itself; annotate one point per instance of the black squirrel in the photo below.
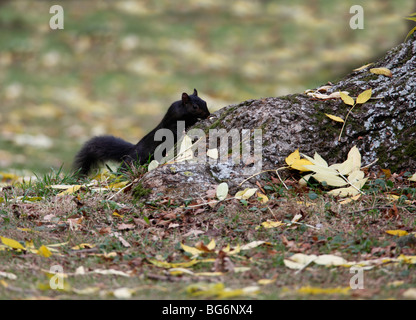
(105, 148)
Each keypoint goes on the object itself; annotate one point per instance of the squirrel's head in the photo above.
(195, 106)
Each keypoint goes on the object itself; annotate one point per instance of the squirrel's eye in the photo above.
(195, 106)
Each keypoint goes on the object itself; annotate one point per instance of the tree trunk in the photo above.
(383, 128)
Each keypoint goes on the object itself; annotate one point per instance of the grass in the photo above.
(126, 233)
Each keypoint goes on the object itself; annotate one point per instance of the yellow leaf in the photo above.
(364, 96)
(117, 185)
(219, 290)
(335, 118)
(300, 165)
(353, 162)
(83, 246)
(70, 190)
(198, 289)
(347, 99)
(295, 162)
(306, 204)
(350, 191)
(27, 230)
(407, 259)
(399, 233)
(228, 250)
(266, 281)
(299, 261)
(44, 252)
(211, 245)
(180, 271)
(164, 264)
(363, 67)
(413, 178)
(350, 199)
(383, 71)
(116, 214)
(263, 197)
(355, 176)
(329, 178)
(330, 260)
(191, 250)
(245, 194)
(12, 243)
(209, 274)
(410, 32)
(316, 290)
(295, 155)
(355, 157)
(252, 245)
(272, 224)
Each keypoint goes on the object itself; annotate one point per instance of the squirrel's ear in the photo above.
(195, 92)
(185, 98)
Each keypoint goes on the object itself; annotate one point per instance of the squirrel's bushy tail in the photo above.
(99, 150)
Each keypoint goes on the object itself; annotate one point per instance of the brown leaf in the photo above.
(223, 263)
(201, 246)
(387, 173)
(169, 216)
(140, 222)
(125, 226)
(105, 230)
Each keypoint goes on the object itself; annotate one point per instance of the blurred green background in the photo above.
(118, 65)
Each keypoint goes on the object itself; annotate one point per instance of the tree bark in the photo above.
(383, 128)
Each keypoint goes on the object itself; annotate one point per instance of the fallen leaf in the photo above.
(70, 190)
(222, 191)
(295, 162)
(410, 293)
(347, 99)
(245, 194)
(252, 245)
(11, 243)
(153, 165)
(364, 96)
(316, 290)
(399, 233)
(212, 153)
(272, 224)
(263, 197)
(335, 118)
(383, 71)
(330, 260)
(44, 252)
(364, 67)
